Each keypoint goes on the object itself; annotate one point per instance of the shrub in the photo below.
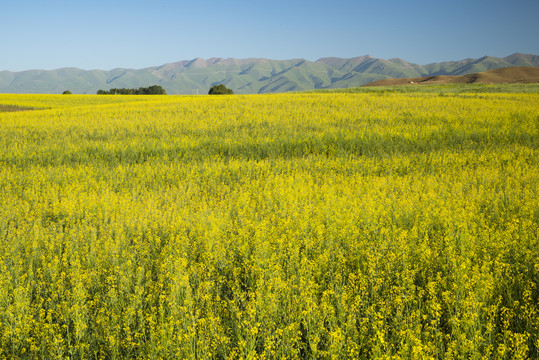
(220, 90)
(152, 90)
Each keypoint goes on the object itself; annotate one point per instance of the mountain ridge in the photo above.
(250, 75)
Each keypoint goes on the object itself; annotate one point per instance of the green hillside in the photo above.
(248, 76)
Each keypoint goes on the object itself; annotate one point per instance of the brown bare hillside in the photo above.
(511, 75)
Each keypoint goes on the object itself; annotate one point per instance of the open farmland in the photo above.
(329, 225)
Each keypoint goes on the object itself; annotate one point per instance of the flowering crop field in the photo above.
(290, 226)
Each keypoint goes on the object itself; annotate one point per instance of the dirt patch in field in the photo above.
(11, 108)
(512, 75)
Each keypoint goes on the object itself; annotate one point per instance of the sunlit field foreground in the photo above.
(312, 226)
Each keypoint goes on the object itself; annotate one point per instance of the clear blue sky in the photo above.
(99, 34)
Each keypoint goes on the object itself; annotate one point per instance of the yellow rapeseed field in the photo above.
(292, 226)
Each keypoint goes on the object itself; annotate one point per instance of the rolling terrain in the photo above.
(248, 76)
(512, 75)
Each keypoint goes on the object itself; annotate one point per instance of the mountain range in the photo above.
(248, 76)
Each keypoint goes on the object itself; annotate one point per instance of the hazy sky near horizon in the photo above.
(104, 35)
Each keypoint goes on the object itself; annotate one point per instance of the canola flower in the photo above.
(292, 226)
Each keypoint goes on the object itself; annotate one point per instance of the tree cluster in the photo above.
(152, 90)
(220, 90)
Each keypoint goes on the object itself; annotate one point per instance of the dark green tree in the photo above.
(152, 90)
(220, 90)
(67, 92)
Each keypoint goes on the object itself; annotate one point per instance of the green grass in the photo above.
(441, 89)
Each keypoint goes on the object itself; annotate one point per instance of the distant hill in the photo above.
(512, 75)
(248, 76)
